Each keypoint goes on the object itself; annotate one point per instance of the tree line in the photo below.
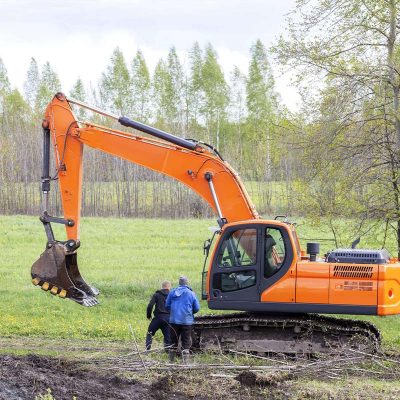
(238, 114)
(337, 157)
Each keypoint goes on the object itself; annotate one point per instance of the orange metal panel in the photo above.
(312, 285)
(389, 289)
(187, 166)
(68, 156)
(284, 290)
(353, 284)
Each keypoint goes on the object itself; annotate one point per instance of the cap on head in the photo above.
(166, 285)
(183, 281)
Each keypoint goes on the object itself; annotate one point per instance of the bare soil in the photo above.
(25, 377)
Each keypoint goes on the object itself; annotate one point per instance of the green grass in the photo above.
(126, 259)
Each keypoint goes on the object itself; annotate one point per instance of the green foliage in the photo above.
(31, 84)
(161, 93)
(262, 117)
(16, 109)
(195, 94)
(4, 85)
(168, 92)
(216, 94)
(78, 92)
(141, 88)
(353, 104)
(175, 88)
(47, 396)
(49, 85)
(261, 97)
(115, 86)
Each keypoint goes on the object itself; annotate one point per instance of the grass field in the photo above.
(126, 259)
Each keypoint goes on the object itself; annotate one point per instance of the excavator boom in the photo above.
(189, 162)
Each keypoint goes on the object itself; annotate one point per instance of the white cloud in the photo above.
(78, 37)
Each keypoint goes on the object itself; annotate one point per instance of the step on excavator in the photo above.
(254, 267)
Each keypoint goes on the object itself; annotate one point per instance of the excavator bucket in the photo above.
(57, 271)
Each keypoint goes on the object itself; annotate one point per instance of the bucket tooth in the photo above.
(57, 270)
(36, 281)
(54, 290)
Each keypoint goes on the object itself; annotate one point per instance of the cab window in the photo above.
(274, 251)
(238, 249)
(231, 281)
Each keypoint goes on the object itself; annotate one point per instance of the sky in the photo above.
(78, 37)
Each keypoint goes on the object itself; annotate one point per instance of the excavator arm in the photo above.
(189, 162)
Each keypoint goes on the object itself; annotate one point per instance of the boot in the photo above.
(171, 355)
(186, 358)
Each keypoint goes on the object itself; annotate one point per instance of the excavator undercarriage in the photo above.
(306, 334)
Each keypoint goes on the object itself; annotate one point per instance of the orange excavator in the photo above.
(256, 266)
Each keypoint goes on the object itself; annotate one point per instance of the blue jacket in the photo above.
(182, 304)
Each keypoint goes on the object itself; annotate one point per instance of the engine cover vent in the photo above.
(358, 256)
(352, 271)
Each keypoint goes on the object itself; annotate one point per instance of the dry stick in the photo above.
(374, 372)
(327, 362)
(136, 353)
(375, 356)
(223, 355)
(222, 376)
(383, 366)
(255, 356)
(170, 367)
(137, 348)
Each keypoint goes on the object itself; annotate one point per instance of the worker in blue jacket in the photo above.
(182, 304)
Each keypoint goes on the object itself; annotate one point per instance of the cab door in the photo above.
(235, 272)
(278, 274)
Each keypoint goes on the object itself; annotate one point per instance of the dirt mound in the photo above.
(23, 378)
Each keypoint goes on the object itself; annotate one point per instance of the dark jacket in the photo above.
(183, 303)
(158, 300)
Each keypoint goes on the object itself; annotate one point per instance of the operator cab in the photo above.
(247, 259)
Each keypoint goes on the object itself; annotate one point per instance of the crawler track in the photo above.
(289, 334)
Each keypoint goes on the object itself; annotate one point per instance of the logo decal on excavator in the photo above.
(364, 286)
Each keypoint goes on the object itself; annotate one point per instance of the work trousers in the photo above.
(184, 332)
(156, 324)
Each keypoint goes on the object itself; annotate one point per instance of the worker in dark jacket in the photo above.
(183, 304)
(161, 316)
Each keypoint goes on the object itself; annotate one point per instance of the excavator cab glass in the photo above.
(274, 251)
(239, 249)
(235, 265)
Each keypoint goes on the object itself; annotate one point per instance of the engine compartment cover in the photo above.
(359, 256)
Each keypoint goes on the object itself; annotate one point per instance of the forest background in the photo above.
(336, 158)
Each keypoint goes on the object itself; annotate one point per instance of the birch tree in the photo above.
(216, 95)
(141, 88)
(31, 84)
(49, 85)
(116, 85)
(352, 47)
(262, 107)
